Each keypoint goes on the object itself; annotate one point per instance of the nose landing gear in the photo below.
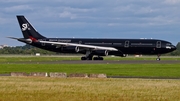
(158, 57)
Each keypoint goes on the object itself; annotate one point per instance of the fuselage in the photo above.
(124, 46)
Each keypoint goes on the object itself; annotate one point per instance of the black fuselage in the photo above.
(124, 46)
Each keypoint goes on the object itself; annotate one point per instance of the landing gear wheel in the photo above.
(83, 58)
(101, 58)
(95, 58)
(88, 56)
(98, 58)
(158, 59)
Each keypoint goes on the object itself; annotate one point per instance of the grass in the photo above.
(36, 59)
(60, 58)
(80, 89)
(90, 89)
(132, 70)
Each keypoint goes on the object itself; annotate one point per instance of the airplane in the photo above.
(91, 47)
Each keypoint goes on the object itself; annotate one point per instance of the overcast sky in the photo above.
(157, 19)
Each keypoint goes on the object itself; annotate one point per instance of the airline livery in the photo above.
(91, 47)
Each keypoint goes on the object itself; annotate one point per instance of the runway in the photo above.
(100, 62)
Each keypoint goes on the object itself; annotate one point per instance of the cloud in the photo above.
(10, 1)
(92, 11)
(17, 8)
(67, 14)
(102, 17)
(172, 1)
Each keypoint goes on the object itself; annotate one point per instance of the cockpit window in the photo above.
(168, 44)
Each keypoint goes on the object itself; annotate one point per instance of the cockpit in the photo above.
(170, 46)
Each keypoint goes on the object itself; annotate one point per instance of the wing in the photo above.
(93, 47)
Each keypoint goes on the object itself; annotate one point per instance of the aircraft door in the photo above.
(158, 44)
(126, 44)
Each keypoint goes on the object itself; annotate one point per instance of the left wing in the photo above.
(81, 45)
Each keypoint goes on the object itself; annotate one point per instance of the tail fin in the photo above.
(27, 29)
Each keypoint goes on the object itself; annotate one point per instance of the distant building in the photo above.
(38, 54)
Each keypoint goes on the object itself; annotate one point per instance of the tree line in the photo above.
(25, 50)
(30, 50)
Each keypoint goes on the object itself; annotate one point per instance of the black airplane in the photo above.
(93, 46)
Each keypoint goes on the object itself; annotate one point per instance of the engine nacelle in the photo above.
(70, 49)
(100, 52)
(121, 55)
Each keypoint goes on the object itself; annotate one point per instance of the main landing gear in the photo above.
(158, 57)
(89, 56)
(86, 58)
(98, 58)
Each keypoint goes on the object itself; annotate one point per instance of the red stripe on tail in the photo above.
(33, 39)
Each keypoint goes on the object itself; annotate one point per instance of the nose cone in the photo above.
(173, 47)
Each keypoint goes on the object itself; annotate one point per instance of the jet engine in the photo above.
(70, 49)
(100, 52)
(121, 55)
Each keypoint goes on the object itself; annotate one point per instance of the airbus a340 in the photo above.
(91, 47)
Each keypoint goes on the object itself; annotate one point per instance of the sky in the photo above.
(157, 19)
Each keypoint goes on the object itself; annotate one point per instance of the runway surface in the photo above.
(100, 62)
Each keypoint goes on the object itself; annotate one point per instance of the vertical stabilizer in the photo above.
(27, 29)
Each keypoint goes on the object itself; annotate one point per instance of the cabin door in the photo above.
(158, 44)
(126, 44)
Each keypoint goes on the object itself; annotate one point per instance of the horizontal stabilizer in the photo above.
(13, 38)
(21, 39)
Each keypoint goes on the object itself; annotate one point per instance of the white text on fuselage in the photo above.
(59, 40)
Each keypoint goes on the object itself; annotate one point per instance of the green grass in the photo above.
(135, 70)
(32, 58)
(60, 58)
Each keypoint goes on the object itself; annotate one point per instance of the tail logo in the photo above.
(25, 26)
